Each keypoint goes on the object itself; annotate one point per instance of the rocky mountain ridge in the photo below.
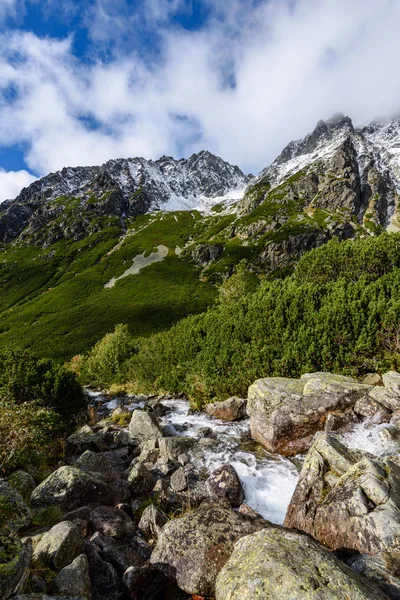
(119, 188)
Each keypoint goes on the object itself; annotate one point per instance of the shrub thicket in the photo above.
(340, 312)
(106, 361)
(25, 378)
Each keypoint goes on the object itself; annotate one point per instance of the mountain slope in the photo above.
(73, 242)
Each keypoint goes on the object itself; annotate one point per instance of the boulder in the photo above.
(140, 480)
(119, 553)
(229, 410)
(346, 500)
(14, 513)
(146, 583)
(178, 480)
(74, 579)
(111, 521)
(60, 545)
(369, 408)
(385, 397)
(92, 462)
(172, 447)
(23, 482)
(69, 488)
(152, 521)
(192, 550)
(362, 511)
(278, 564)
(286, 413)
(327, 460)
(104, 579)
(382, 568)
(86, 439)
(372, 379)
(15, 558)
(391, 381)
(225, 483)
(144, 426)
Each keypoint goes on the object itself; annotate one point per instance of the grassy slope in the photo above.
(59, 306)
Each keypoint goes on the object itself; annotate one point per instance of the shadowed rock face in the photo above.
(278, 564)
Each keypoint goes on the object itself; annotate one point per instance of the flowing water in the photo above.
(268, 480)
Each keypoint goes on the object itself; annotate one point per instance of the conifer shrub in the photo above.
(25, 378)
(106, 361)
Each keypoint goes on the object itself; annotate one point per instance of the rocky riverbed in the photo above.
(156, 502)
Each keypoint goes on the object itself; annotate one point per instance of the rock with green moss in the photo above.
(140, 480)
(193, 549)
(231, 409)
(391, 381)
(70, 488)
(278, 564)
(15, 557)
(60, 545)
(286, 413)
(74, 579)
(14, 513)
(86, 439)
(23, 482)
(92, 462)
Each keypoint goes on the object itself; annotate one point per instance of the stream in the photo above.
(268, 479)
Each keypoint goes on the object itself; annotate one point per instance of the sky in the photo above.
(84, 81)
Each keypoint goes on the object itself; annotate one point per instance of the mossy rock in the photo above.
(14, 513)
(14, 566)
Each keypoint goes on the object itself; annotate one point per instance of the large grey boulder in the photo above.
(386, 397)
(70, 488)
(382, 568)
(192, 550)
(286, 413)
(104, 578)
(152, 521)
(119, 553)
(15, 558)
(345, 500)
(231, 409)
(60, 545)
(74, 579)
(144, 426)
(278, 564)
(14, 513)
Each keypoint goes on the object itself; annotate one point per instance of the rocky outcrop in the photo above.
(286, 413)
(345, 502)
(278, 564)
(205, 254)
(231, 409)
(192, 550)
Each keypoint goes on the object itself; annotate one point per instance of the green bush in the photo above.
(25, 378)
(105, 362)
(30, 435)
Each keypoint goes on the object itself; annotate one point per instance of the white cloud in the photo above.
(10, 8)
(12, 182)
(257, 76)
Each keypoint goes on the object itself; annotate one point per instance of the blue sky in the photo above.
(85, 81)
